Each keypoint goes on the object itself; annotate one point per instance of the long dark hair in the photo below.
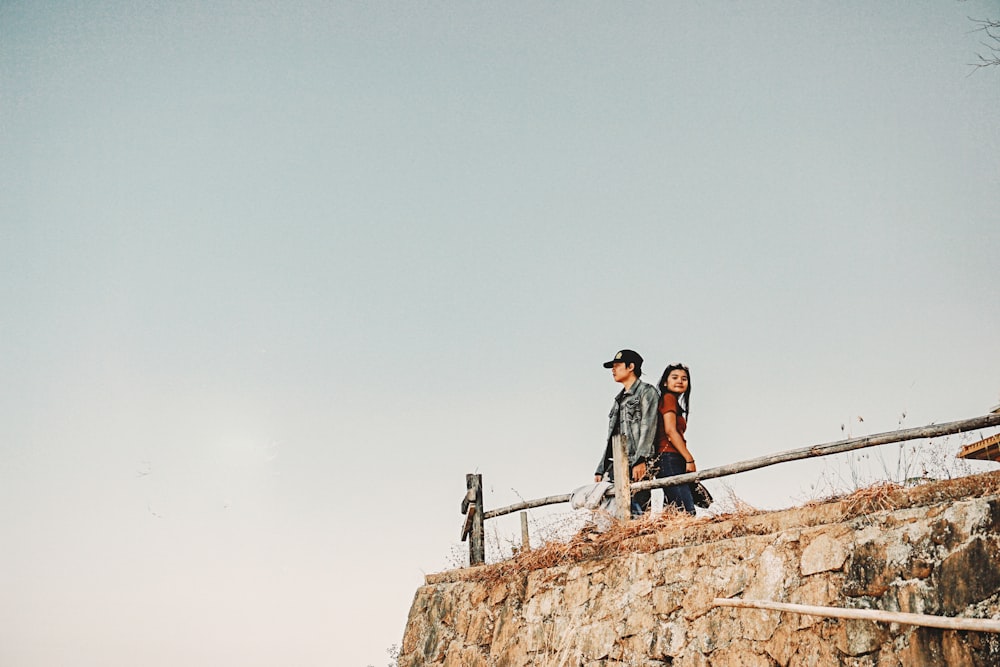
(683, 400)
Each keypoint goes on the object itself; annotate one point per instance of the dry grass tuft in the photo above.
(876, 498)
(732, 506)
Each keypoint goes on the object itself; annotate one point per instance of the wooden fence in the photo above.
(475, 515)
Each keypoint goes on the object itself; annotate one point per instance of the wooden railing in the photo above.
(472, 504)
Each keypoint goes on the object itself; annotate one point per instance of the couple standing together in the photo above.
(653, 421)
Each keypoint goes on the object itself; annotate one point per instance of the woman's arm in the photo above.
(677, 440)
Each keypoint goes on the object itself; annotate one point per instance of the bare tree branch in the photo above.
(991, 30)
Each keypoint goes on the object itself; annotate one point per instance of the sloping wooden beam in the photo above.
(924, 620)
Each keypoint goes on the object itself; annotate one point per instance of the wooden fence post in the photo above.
(525, 541)
(623, 478)
(477, 546)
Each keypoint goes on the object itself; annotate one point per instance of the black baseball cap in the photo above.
(626, 357)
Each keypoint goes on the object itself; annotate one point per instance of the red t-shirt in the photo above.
(668, 403)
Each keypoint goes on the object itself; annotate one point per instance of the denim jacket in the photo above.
(639, 409)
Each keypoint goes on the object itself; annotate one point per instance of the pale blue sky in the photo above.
(275, 276)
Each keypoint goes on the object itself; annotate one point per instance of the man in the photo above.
(633, 415)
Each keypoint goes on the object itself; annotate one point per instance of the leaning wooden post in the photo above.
(477, 546)
(623, 490)
(903, 618)
(525, 541)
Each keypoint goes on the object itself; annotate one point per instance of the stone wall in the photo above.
(933, 549)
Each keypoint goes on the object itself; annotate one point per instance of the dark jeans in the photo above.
(669, 464)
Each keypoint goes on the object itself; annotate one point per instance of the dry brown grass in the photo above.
(590, 544)
(664, 530)
(876, 498)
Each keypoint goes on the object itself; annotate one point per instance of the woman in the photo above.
(673, 456)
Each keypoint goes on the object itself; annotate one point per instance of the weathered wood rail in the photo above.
(472, 504)
(903, 618)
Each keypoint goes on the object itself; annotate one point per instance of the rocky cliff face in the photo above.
(934, 549)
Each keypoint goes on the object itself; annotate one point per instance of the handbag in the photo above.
(702, 498)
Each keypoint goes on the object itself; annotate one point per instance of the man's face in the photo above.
(620, 372)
